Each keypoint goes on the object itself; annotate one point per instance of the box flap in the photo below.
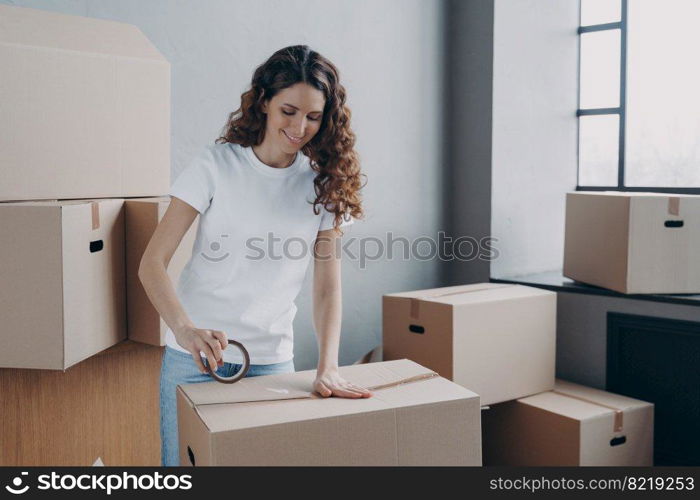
(598, 396)
(565, 406)
(580, 402)
(49, 30)
(265, 388)
(468, 294)
(285, 398)
(299, 385)
(447, 290)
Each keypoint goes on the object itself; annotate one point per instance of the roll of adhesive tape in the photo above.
(240, 374)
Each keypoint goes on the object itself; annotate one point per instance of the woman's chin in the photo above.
(291, 148)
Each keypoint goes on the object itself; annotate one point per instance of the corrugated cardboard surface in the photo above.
(274, 420)
(31, 268)
(596, 239)
(664, 259)
(105, 406)
(572, 425)
(432, 348)
(505, 347)
(61, 303)
(94, 288)
(518, 435)
(621, 241)
(102, 92)
(144, 324)
(497, 340)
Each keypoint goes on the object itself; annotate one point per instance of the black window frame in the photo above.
(621, 111)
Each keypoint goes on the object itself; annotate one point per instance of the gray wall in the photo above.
(468, 134)
(389, 53)
(512, 85)
(535, 89)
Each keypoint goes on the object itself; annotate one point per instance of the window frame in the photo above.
(621, 111)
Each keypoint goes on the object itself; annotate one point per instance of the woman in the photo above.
(284, 172)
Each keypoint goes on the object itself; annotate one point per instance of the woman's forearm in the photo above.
(161, 292)
(327, 316)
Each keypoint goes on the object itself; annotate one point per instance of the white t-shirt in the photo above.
(253, 246)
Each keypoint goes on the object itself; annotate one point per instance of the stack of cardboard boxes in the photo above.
(498, 340)
(85, 124)
(500, 343)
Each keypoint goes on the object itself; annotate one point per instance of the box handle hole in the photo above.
(96, 246)
(190, 454)
(618, 441)
(673, 223)
(416, 329)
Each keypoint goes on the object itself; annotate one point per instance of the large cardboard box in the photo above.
(144, 324)
(571, 425)
(497, 340)
(414, 417)
(633, 242)
(84, 108)
(62, 290)
(105, 406)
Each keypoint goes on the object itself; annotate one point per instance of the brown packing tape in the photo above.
(409, 380)
(313, 395)
(618, 419)
(95, 215)
(415, 378)
(674, 205)
(240, 373)
(415, 301)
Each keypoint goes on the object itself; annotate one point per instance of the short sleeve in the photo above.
(327, 219)
(196, 184)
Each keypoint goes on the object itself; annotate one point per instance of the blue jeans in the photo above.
(179, 368)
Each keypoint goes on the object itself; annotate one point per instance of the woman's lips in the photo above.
(292, 140)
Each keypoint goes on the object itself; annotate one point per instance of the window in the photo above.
(639, 96)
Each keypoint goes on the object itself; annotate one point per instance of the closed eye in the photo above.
(310, 117)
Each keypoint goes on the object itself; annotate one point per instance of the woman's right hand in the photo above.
(211, 342)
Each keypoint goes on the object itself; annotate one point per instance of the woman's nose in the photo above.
(299, 127)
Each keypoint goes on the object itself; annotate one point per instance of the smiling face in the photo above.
(294, 116)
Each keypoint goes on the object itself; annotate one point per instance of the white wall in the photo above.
(535, 82)
(389, 53)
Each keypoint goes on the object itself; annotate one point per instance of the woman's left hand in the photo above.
(329, 383)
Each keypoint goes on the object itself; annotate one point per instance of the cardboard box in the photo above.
(84, 108)
(62, 295)
(413, 418)
(633, 242)
(494, 339)
(572, 425)
(144, 324)
(106, 406)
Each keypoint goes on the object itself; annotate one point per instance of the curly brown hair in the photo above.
(331, 151)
